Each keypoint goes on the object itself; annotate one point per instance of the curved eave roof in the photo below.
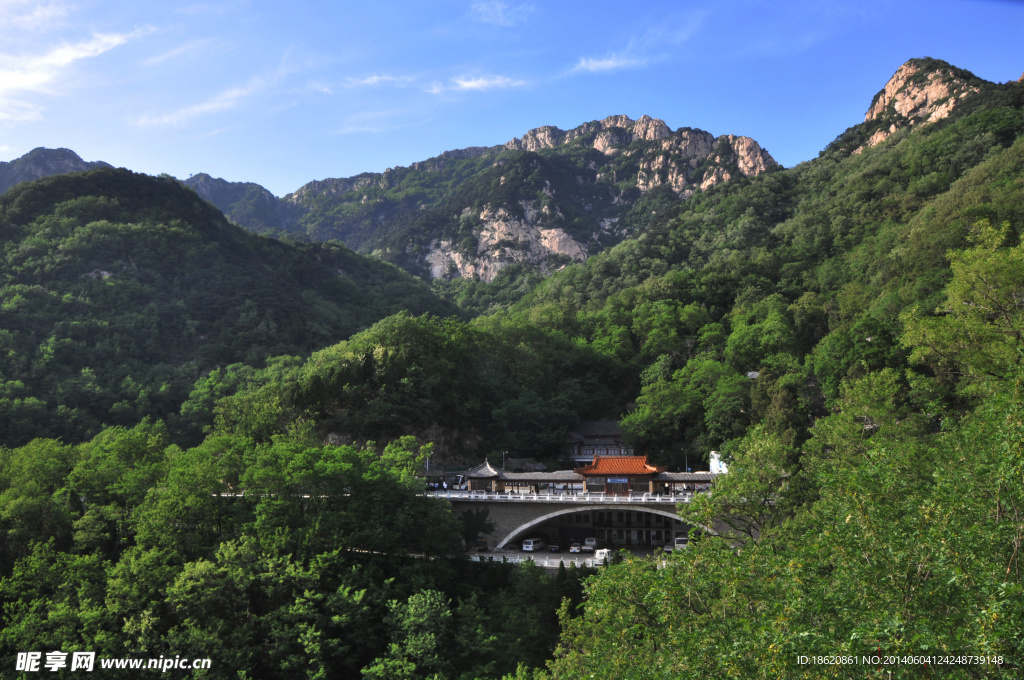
(620, 465)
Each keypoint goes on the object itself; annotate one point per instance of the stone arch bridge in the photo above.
(517, 516)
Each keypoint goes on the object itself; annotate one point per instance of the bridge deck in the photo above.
(568, 498)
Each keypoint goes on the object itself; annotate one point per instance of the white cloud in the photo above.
(375, 80)
(470, 83)
(21, 74)
(228, 99)
(501, 14)
(486, 83)
(610, 63)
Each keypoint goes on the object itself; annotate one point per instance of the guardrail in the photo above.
(588, 497)
(551, 562)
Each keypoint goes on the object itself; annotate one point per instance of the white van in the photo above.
(602, 556)
(681, 542)
(589, 544)
(533, 544)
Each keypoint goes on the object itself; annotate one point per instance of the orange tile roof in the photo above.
(619, 465)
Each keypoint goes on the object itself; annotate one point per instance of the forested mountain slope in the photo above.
(119, 290)
(541, 201)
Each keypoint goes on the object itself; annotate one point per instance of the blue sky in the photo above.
(284, 93)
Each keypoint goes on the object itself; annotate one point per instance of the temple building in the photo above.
(596, 438)
(619, 475)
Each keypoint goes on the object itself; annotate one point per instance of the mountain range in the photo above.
(545, 199)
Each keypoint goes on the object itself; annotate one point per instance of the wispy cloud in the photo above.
(30, 16)
(470, 83)
(375, 122)
(176, 52)
(367, 127)
(25, 74)
(375, 80)
(651, 46)
(501, 14)
(613, 62)
(223, 101)
(354, 83)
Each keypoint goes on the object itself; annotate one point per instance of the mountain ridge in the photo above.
(42, 162)
(565, 195)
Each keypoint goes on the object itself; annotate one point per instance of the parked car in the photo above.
(533, 544)
(677, 543)
(575, 547)
(602, 555)
(589, 544)
(554, 547)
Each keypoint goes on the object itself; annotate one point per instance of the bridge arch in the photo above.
(570, 511)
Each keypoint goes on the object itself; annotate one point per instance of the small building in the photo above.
(483, 477)
(619, 475)
(557, 482)
(486, 477)
(596, 438)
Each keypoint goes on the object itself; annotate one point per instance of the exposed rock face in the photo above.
(650, 129)
(505, 239)
(609, 141)
(41, 162)
(750, 157)
(684, 166)
(921, 91)
(539, 138)
(713, 177)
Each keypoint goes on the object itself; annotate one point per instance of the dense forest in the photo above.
(120, 290)
(848, 332)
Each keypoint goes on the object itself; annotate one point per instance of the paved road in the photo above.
(550, 560)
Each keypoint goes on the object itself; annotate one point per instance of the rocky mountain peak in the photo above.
(649, 129)
(921, 91)
(42, 162)
(612, 132)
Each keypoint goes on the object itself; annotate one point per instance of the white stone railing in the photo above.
(570, 498)
(540, 559)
